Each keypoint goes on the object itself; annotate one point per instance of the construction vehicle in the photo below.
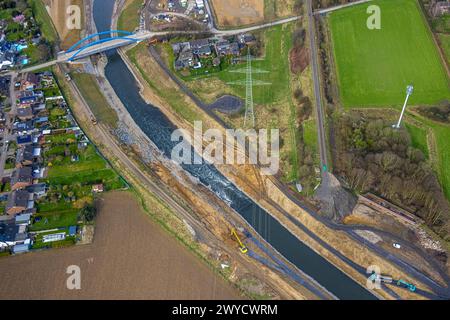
(242, 247)
(152, 41)
(383, 278)
(409, 286)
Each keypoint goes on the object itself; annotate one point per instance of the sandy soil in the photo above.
(57, 10)
(130, 258)
(238, 12)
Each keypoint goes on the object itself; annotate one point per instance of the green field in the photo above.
(375, 66)
(44, 20)
(95, 98)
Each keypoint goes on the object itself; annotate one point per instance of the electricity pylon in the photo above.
(409, 91)
(249, 120)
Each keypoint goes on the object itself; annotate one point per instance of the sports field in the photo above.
(375, 66)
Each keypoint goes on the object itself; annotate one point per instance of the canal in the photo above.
(159, 129)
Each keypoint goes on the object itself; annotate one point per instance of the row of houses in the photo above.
(439, 8)
(189, 54)
(24, 182)
(30, 130)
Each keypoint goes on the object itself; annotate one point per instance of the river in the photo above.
(159, 129)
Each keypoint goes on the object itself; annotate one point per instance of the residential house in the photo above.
(18, 202)
(246, 39)
(224, 48)
(24, 140)
(184, 60)
(440, 8)
(39, 190)
(21, 178)
(98, 188)
(47, 79)
(24, 127)
(23, 218)
(38, 108)
(30, 82)
(183, 52)
(200, 4)
(12, 235)
(201, 47)
(25, 113)
(27, 155)
(7, 60)
(30, 97)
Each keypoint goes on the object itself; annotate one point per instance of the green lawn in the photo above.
(375, 66)
(129, 18)
(53, 220)
(90, 169)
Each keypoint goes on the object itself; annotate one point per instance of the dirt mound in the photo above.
(336, 201)
(299, 59)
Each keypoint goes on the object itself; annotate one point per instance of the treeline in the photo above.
(371, 156)
(439, 113)
(325, 63)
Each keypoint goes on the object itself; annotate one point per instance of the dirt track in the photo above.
(131, 258)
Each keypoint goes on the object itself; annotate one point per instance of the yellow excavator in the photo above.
(242, 247)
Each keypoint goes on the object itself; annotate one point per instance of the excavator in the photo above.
(242, 247)
(388, 279)
(409, 286)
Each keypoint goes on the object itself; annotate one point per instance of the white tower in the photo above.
(409, 91)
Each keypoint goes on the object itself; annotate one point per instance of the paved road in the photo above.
(317, 92)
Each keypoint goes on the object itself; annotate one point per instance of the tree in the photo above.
(88, 212)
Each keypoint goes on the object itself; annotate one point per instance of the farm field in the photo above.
(120, 264)
(238, 12)
(375, 66)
